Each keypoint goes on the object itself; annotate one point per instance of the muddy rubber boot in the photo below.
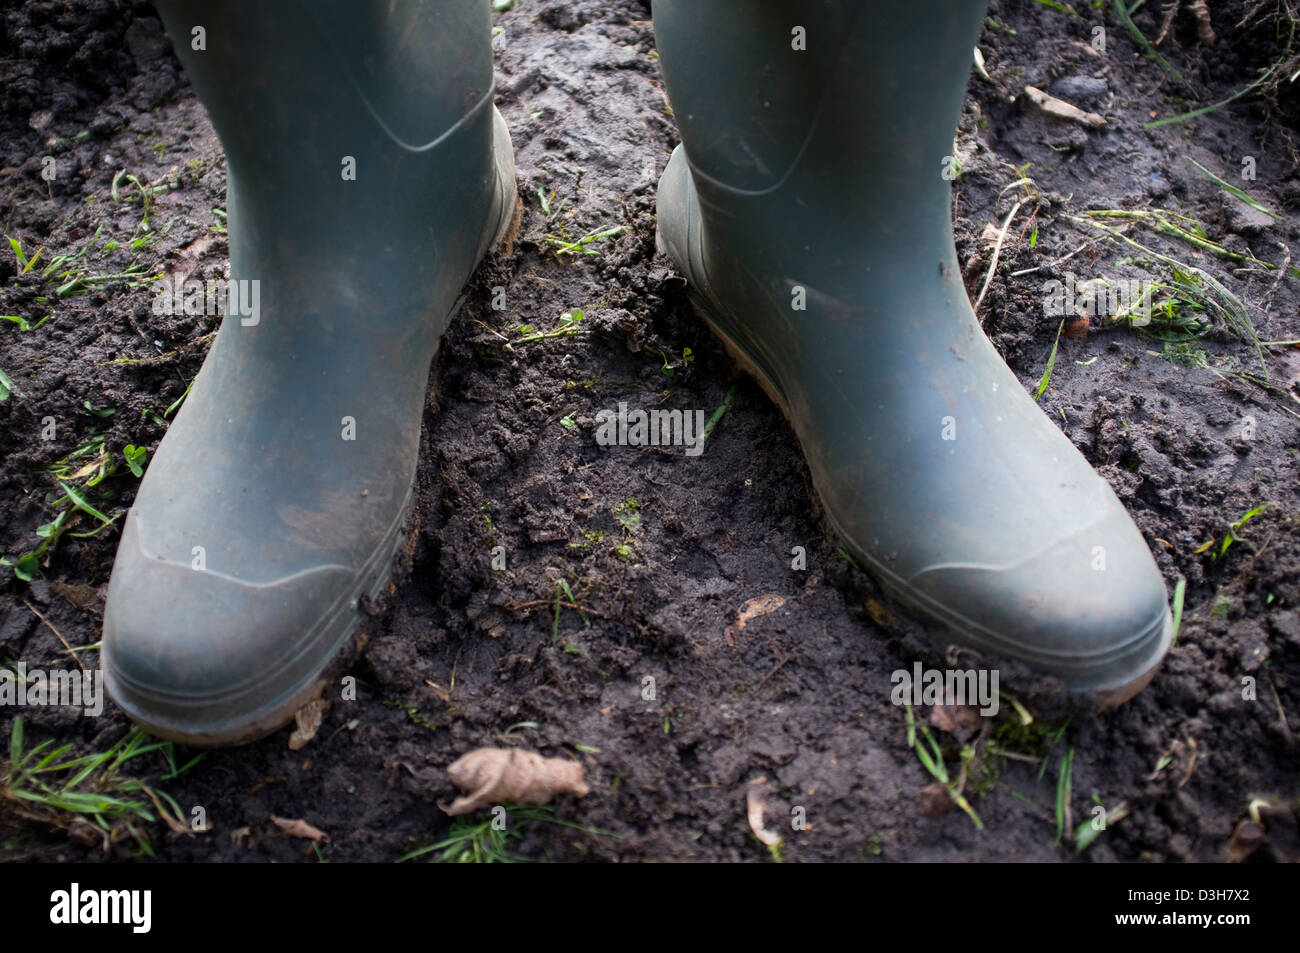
(807, 209)
(368, 172)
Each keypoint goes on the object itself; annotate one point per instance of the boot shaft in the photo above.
(361, 129)
(832, 119)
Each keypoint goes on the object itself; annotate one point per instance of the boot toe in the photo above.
(205, 658)
(1091, 608)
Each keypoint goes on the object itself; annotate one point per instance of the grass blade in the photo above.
(1239, 193)
(15, 740)
(1183, 117)
(1051, 363)
(81, 503)
(1122, 11)
(1063, 793)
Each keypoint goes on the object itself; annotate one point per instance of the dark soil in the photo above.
(458, 656)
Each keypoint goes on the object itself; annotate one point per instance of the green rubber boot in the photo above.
(368, 173)
(807, 209)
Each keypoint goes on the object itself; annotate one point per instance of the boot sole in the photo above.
(893, 585)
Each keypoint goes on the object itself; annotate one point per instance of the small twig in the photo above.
(162, 358)
(1059, 261)
(997, 250)
(1167, 22)
(38, 615)
(1191, 766)
(1281, 712)
(174, 824)
(1013, 755)
(1281, 273)
(551, 603)
(491, 330)
(775, 668)
(650, 479)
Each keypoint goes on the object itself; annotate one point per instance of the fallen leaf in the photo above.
(493, 775)
(299, 828)
(754, 808)
(760, 605)
(83, 597)
(308, 719)
(879, 614)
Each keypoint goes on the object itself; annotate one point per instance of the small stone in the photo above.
(1079, 88)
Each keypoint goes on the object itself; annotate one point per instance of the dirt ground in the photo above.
(625, 564)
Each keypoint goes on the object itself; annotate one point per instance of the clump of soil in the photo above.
(612, 636)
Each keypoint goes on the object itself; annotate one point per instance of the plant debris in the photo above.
(307, 720)
(1060, 109)
(496, 775)
(299, 828)
(750, 610)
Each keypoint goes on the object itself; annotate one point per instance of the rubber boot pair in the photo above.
(368, 173)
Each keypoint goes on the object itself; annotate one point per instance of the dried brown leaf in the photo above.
(299, 828)
(759, 605)
(754, 809)
(494, 775)
(308, 719)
